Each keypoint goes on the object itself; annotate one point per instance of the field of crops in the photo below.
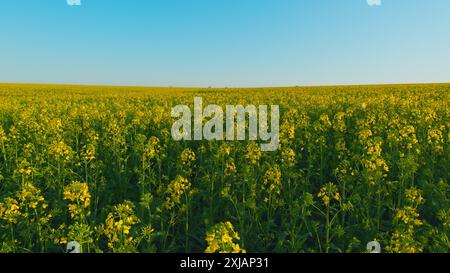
(98, 165)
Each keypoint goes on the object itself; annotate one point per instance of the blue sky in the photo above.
(224, 42)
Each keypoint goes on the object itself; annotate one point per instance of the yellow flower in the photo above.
(253, 153)
(328, 193)
(414, 196)
(3, 137)
(221, 239)
(152, 148)
(118, 227)
(78, 193)
(230, 168)
(9, 210)
(272, 180)
(288, 156)
(175, 191)
(187, 156)
(61, 151)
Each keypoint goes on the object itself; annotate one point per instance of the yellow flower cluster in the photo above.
(408, 136)
(409, 216)
(402, 242)
(187, 156)
(373, 161)
(31, 196)
(9, 210)
(436, 139)
(3, 137)
(152, 148)
(414, 196)
(225, 149)
(78, 193)
(175, 191)
(89, 153)
(230, 168)
(61, 151)
(288, 156)
(221, 238)
(328, 193)
(364, 135)
(92, 136)
(118, 226)
(287, 132)
(374, 153)
(25, 168)
(26, 204)
(406, 220)
(272, 180)
(325, 121)
(339, 122)
(253, 153)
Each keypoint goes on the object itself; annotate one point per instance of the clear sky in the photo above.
(224, 42)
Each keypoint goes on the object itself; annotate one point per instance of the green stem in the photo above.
(328, 230)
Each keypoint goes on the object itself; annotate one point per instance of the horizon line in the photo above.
(223, 87)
